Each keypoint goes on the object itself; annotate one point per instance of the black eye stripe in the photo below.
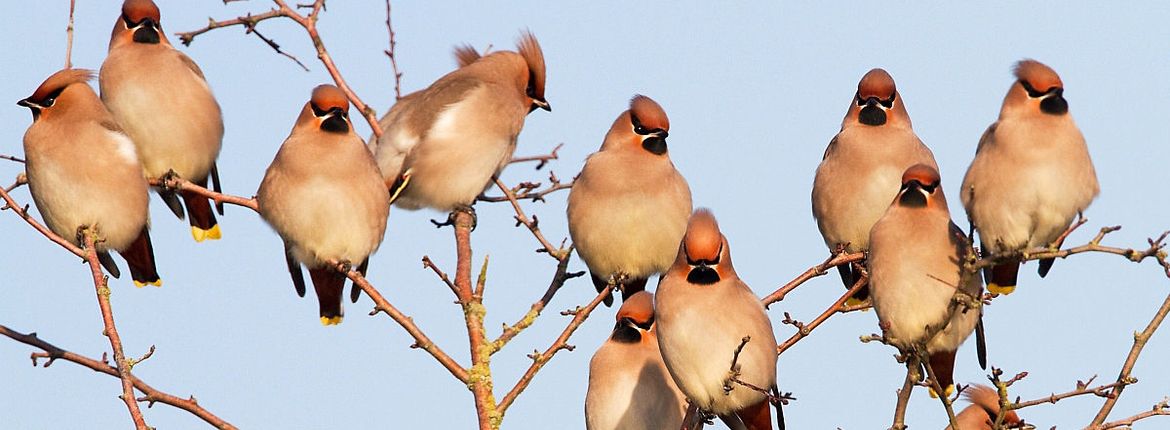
(887, 103)
(1034, 93)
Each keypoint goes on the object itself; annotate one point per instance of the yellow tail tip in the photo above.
(157, 283)
(331, 320)
(1000, 289)
(201, 235)
(949, 391)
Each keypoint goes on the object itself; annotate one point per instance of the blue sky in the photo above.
(754, 92)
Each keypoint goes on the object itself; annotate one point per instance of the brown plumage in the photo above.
(465, 54)
(984, 410)
(703, 312)
(862, 165)
(629, 386)
(442, 145)
(161, 98)
(914, 266)
(628, 208)
(324, 196)
(1032, 173)
(83, 172)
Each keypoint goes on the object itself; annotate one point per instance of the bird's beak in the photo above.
(541, 103)
(25, 103)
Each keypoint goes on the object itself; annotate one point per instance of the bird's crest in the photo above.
(1037, 75)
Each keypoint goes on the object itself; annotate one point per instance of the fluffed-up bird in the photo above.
(1031, 175)
(983, 411)
(442, 145)
(629, 386)
(628, 208)
(324, 195)
(704, 312)
(83, 172)
(915, 267)
(862, 168)
(161, 98)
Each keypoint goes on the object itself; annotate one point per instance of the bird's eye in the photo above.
(49, 102)
(638, 127)
(888, 103)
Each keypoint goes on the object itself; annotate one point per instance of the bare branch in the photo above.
(421, 341)
(540, 359)
(1124, 378)
(562, 274)
(150, 394)
(103, 295)
(176, 183)
(391, 53)
(530, 191)
(69, 36)
(541, 160)
(1161, 408)
(802, 330)
(532, 224)
(11, 158)
(834, 260)
(22, 212)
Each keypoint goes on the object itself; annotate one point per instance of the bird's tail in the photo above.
(943, 365)
(203, 223)
(140, 257)
(1002, 278)
(329, 285)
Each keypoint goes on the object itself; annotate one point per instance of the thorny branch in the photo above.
(530, 190)
(150, 394)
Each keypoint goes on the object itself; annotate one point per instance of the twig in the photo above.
(11, 158)
(151, 395)
(103, 295)
(177, 183)
(309, 23)
(529, 190)
(932, 381)
(541, 160)
(1124, 378)
(69, 36)
(428, 264)
(532, 224)
(904, 398)
(837, 307)
(21, 179)
(835, 260)
(391, 53)
(248, 21)
(562, 274)
(22, 212)
(1161, 408)
(540, 359)
(421, 341)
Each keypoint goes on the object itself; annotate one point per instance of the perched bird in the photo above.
(324, 195)
(1031, 174)
(915, 252)
(629, 387)
(862, 167)
(984, 410)
(443, 145)
(161, 98)
(704, 312)
(628, 208)
(83, 172)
